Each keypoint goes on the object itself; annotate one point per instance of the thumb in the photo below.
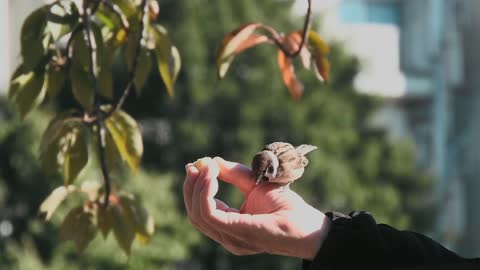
(236, 174)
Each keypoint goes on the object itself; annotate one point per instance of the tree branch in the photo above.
(100, 116)
(277, 38)
(136, 58)
(306, 28)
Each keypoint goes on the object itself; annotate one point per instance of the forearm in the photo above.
(356, 240)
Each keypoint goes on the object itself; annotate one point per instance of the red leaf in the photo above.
(288, 74)
(251, 41)
(292, 42)
(235, 42)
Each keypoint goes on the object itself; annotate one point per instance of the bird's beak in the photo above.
(258, 178)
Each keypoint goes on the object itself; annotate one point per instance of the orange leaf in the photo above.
(292, 41)
(251, 41)
(234, 42)
(288, 75)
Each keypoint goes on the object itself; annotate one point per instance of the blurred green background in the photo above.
(357, 167)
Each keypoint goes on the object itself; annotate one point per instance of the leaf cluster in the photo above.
(72, 45)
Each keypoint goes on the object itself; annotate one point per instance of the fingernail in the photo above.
(187, 166)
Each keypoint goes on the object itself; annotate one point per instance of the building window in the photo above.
(355, 11)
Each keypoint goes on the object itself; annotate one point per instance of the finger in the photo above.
(224, 207)
(199, 191)
(214, 212)
(192, 174)
(236, 174)
(195, 216)
(233, 237)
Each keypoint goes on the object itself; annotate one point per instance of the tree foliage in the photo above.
(77, 41)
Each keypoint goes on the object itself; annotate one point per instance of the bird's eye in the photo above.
(270, 169)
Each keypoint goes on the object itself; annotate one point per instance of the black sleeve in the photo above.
(356, 240)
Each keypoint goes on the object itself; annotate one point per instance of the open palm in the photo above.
(272, 219)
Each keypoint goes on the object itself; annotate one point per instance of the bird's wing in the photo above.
(291, 160)
(305, 148)
(279, 148)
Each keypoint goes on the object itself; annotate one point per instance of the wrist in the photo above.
(311, 242)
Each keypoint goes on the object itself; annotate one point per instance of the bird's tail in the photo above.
(305, 148)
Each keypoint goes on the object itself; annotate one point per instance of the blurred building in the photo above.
(423, 57)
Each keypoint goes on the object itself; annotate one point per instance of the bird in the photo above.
(280, 163)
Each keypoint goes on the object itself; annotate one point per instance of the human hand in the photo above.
(272, 219)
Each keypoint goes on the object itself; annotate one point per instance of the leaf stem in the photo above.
(306, 28)
(100, 116)
(136, 58)
(100, 132)
(277, 38)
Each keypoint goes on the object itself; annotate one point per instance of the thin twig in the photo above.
(118, 12)
(103, 161)
(306, 28)
(100, 120)
(136, 59)
(277, 38)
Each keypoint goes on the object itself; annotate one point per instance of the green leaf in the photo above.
(81, 87)
(175, 63)
(78, 227)
(51, 203)
(143, 70)
(58, 30)
(19, 77)
(144, 64)
(105, 82)
(75, 153)
(168, 58)
(319, 45)
(126, 6)
(63, 12)
(81, 52)
(99, 46)
(32, 38)
(27, 90)
(105, 220)
(64, 145)
(144, 223)
(106, 18)
(50, 144)
(55, 80)
(123, 227)
(62, 18)
(320, 50)
(127, 137)
(105, 78)
(111, 152)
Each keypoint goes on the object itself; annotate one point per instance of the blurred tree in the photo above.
(356, 167)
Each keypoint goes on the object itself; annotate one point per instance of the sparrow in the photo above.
(280, 163)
